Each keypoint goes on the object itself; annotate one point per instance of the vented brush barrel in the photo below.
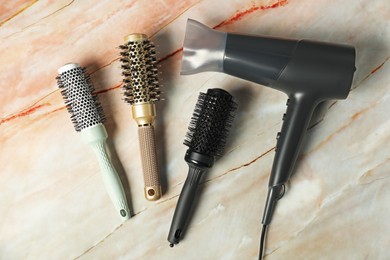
(141, 90)
(206, 138)
(87, 117)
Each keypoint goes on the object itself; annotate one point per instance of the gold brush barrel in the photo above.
(141, 91)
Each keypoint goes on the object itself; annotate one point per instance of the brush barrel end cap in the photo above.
(134, 37)
(67, 67)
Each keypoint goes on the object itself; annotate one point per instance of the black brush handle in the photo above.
(184, 205)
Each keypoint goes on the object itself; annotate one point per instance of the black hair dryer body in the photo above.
(308, 72)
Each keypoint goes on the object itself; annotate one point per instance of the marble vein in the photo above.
(33, 108)
(119, 226)
(49, 173)
(179, 14)
(18, 12)
(39, 20)
(370, 172)
(238, 16)
(52, 13)
(241, 166)
(219, 207)
(231, 20)
(101, 241)
(241, 14)
(372, 72)
(23, 113)
(327, 202)
(345, 126)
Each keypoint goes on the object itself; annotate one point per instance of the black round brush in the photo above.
(206, 138)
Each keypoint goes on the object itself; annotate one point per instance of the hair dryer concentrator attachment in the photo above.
(308, 72)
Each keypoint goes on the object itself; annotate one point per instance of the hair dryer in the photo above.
(308, 72)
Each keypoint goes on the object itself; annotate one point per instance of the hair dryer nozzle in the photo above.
(203, 50)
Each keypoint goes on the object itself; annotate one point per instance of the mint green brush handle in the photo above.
(96, 137)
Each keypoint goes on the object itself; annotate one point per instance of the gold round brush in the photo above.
(141, 90)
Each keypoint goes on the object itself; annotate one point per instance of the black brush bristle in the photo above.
(211, 122)
(81, 101)
(139, 71)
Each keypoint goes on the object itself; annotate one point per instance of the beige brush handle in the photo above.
(149, 162)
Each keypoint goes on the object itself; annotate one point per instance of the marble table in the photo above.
(53, 204)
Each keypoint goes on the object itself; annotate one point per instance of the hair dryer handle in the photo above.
(300, 108)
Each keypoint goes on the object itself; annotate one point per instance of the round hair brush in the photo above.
(87, 117)
(206, 138)
(141, 90)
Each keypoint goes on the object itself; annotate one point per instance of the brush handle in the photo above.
(185, 204)
(96, 136)
(147, 144)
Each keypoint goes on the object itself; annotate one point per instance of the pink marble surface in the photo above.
(53, 204)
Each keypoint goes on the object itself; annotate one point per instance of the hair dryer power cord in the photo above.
(262, 241)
